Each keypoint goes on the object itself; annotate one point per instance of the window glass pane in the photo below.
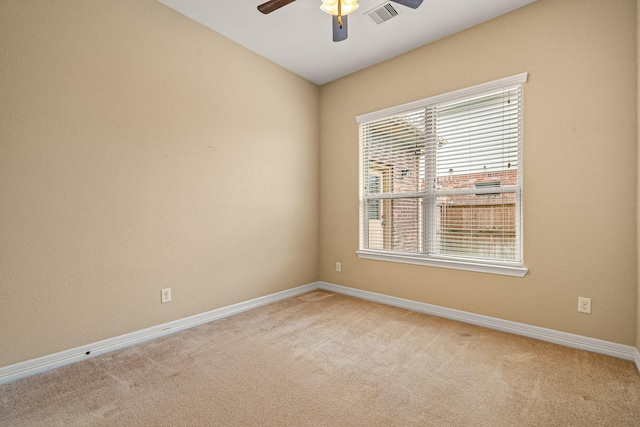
(477, 138)
(394, 148)
(399, 227)
(474, 225)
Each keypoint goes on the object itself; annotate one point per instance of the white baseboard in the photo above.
(45, 363)
(56, 360)
(549, 335)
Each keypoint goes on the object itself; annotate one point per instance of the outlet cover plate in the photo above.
(584, 305)
(166, 295)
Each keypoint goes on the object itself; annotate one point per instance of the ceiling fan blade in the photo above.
(272, 5)
(413, 4)
(339, 34)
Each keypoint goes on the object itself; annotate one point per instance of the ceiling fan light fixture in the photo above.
(331, 6)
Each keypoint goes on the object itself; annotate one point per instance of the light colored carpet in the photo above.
(323, 359)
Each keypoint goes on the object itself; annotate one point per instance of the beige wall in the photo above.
(138, 151)
(579, 166)
(638, 189)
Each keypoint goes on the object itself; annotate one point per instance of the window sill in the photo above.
(444, 263)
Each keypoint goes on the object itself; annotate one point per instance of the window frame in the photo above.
(501, 267)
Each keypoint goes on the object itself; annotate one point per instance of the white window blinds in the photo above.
(441, 177)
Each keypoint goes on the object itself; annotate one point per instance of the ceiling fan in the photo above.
(339, 9)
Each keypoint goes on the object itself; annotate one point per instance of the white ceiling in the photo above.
(299, 37)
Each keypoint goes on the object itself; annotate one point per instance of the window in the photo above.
(441, 180)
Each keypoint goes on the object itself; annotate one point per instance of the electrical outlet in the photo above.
(338, 267)
(166, 295)
(584, 305)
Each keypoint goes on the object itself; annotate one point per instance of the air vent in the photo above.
(489, 184)
(382, 13)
